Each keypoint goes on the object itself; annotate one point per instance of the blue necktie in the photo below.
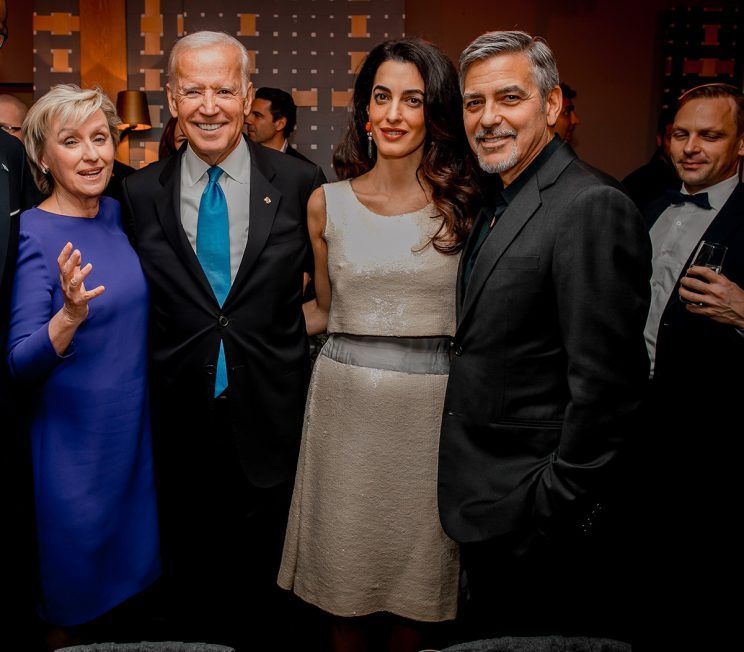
(213, 252)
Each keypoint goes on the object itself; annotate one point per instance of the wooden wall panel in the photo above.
(103, 45)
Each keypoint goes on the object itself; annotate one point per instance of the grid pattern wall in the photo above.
(702, 45)
(56, 44)
(310, 48)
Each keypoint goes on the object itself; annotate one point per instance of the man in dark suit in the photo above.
(651, 181)
(692, 486)
(549, 362)
(221, 232)
(16, 193)
(272, 120)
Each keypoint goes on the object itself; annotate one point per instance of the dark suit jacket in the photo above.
(260, 323)
(14, 182)
(690, 476)
(291, 151)
(549, 363)
(16, 195)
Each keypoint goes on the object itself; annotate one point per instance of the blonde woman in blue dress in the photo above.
(364, 541)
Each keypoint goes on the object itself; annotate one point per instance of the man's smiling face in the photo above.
(210, 100)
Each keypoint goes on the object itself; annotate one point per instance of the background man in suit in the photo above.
(651, 181)
(12, 113)
(17, 192)
(272, 120)
(221, 232)
(549, 363)
(568, 119)
(697, 354)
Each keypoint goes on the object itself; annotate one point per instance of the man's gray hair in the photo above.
(206, 39)
(490, 44)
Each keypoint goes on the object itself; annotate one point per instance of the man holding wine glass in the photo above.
(695, 341)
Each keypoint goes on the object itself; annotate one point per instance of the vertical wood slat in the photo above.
(103, 49)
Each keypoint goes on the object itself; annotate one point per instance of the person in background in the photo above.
(695, 339)
(221, 231)
(652, 180)
(568, 119)
(77, 349)
(364, 541)
(171, 139)
(12, 113)
(272, 120)
(17, 193)
(548, 368)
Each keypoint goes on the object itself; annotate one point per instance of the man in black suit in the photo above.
(272, 120)
(16, 195)
(692, 474)
(651, 181)
(221, 232)
(549, 363)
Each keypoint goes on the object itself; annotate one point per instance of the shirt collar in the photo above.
(512, 190)
(237, 165)
(719, 193)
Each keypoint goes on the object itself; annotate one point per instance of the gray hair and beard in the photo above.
(500, 166)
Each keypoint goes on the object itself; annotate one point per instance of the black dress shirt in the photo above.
(489, 215)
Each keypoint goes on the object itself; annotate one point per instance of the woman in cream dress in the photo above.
(364, 536)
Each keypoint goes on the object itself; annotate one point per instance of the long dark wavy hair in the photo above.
(446, 163)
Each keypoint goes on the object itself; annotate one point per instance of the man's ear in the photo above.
(741, 148)
(172, 106)
(280, 124)
(553, 105)
(249, 93)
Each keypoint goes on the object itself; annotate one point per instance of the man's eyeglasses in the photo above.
(11, 129)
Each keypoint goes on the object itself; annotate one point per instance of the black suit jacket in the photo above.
(549, 363)
(291, 151)
(260, 323)
(690, 476)
(17, 192)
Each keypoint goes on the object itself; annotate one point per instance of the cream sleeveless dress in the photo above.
(364, 533)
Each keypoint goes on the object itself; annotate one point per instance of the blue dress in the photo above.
(96, 516)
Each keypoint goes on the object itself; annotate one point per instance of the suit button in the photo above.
(223, 321)
(458, 351)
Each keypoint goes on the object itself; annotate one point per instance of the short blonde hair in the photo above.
(71, 105)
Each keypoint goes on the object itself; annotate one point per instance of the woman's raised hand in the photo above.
(72, 281)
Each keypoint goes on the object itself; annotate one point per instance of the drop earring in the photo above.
(368, 129)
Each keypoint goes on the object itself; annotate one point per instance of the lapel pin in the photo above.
(267, 199)
(5, 167)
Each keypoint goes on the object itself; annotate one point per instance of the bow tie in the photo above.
(699, 199)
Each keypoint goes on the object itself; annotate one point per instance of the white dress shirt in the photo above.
(674, 236)
(235, 182)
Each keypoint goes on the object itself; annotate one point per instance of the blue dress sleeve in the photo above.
(31, 356)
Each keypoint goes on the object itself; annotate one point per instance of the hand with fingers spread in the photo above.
(72, 280)
(64, 324)
(713, 295)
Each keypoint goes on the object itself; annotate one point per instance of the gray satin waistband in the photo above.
(412, 355)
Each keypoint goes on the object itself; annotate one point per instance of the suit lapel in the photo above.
(511, 223)
(728, 220)
(503, 233)
(264, 203)
(168, 207)
(466, 251)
